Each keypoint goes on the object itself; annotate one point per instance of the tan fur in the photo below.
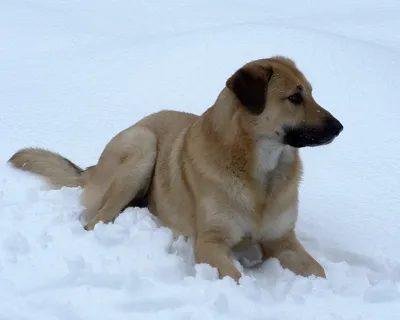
(57, 170)
(224, 178)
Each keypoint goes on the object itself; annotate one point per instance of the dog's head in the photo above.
(277, 103)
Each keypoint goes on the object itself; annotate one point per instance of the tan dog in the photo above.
(228, 178)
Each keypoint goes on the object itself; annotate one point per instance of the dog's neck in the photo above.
(223, 116)
(270, 157)
(265, 154)
(268, 154)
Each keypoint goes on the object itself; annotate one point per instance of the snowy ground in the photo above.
(73, 73)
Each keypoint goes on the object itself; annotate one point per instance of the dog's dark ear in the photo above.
(250, 84)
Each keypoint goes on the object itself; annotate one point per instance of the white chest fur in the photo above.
(235, 213)
(275, 226)
(272, 227)
(268, 154)
(271, 160)
(240, 224)
(278, 218)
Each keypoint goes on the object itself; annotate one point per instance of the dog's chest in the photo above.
(265, 226)
(275, 225)
(246, 215)
(262, 209)
(273, 217)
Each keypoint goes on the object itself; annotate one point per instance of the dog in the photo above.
(227, 178)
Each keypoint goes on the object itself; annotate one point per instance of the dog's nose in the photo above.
(333, 126)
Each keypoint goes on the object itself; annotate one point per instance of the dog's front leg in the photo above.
(211, 248)
(293, 256)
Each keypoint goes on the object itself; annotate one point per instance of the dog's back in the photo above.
(167, 124)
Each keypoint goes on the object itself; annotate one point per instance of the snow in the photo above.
(75, 73)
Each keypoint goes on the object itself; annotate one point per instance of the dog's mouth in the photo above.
(312, 136)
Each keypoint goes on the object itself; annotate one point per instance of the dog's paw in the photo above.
(89, 227)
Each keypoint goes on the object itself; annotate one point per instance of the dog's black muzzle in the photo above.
(313, 135)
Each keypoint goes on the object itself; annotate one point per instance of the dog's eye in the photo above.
(296, 98)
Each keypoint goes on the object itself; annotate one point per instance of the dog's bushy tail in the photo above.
(55, 169)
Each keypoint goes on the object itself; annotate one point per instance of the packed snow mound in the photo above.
(52, 269)
(76, 73)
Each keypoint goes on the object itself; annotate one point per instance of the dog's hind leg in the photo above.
(124, 172)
